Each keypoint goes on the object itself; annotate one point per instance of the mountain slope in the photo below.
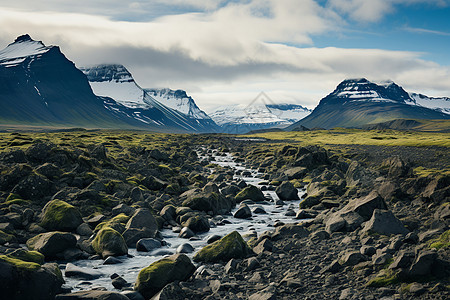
(116, 82)
(357, 102)
(245, 118)
(40, 86)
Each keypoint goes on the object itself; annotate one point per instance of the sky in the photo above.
(225, 52)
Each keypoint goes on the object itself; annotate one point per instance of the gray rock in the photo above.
(269, 293)
(264, 245)
(243, 212)
(231, 266)
(366, 205)
(92, 295)
(142, 218)
(252, 264)
(148, 244)
(52, 243)
(422, 264)
(185, 248)
(111, 260)
(84, 230)
(351, 258)
(335, 223)
(84, 273)
(186, 233)
(403, 260)
(133, 295)
(119, 283)
(384, 222)
(287, 191)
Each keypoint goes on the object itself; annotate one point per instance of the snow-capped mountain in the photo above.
(441, 104)
(242, 118)
(40, 86)
(179, 101)
(357, 102)
(116, 82)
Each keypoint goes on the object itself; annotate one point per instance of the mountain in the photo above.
(40, 86)
(179, 101)
(258, 115)
(116, 82)
(358, 102)
(441, 104)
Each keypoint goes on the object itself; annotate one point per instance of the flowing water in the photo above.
(130, 267)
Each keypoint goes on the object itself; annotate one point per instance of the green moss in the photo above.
(230, 246)
(121, 218)
(30, 256)
(109, 242)
(60, 215)
(13, 196)
(155, 273)
(442, 242)
(4, 237)
(250, 192)
(384, 278)
(20, 264)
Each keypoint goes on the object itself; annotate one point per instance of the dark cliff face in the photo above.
(101, 73)
(358, 102)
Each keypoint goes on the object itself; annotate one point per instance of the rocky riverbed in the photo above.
(122, 215)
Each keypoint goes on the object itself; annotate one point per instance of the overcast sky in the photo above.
(224, 52)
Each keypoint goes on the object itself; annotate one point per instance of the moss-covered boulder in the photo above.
(50, 244)
(27, 280)
(109, 242)
(230, 246)
(153, 278)
(4, 237)
(29, 256)
(250, 192)
(60, 216)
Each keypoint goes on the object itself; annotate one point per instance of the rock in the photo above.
(185, 248)
(335, 223)
(168, 213)
(186, 233)
(211, 239)
(49, 170)
(198, 223)
(250, 192)
(147, 244)
(230, 246)
(109, 242)
(367, 250)
(136, 195)
(259, 210)
(320, 235)
(403, 260)
(264, 245)
(231, 266)
(384, 222)
(84, 230)
(287, 191)
(50, 244)
(252, 264)
(396, 167)
(5, 237)
(33, 187)
(304, 214)
(154, 277)
(208, 201)
(351, 258)
(143, 219)
(133, 295)
(83, 273)
(295, 173)
(231, 190)
(119, 283)
(422, 264)
(123, 209)
(243, 212)
(133, 235)
(357, 175)
(366, 205)
(27, 280)
(292, 229)
(333, 267)
(29, 256)
(269, 293)
(94, 221)
(58, 215)
(92, 295)
(111, 260)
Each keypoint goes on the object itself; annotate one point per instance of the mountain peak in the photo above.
(108, 72)
(24, 38)
(23, 47)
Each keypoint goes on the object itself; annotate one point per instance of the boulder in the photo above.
(27, 280)
(250, 192)
(366, 205)
(83, 273)
(422, 265)
(208, 201)
(186, 233)
(295, 173)
(168, 213)
(357, 175)
(133, 235)
(197, 223)
(58, 215)
(243, 212)
(109, 242)
(228, 247)
(287, 191)
(396, 167)
(50, 244)
(185, 248)
(153, 278)
(142, 218)
(33, 187)
(29, 256)
(148, 244)
(384, 222)
(352, 258)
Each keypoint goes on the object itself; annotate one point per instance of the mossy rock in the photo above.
(29, 256)
(60, 216)
(250, 192)
(50, 244)
(20, 264)
(153, 278)
(5, 238)
(228, 247)
(109, 242)
(384, 278)
(442, 242)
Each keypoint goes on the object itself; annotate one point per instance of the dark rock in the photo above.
(384, 222)
(92, 295)
(185, 248)
(197, 223)
(243, 212)
(84, 273)
(422, 264)
(250, 192)
(133, 235)
(186, 233)
(119, 283)
(52, 243)
(168, 213)
(287, 191)
(211, 239)
(147, 244)
(366, 205)
(111, 260)
(351, 258)
(59, 215)
(264, 245)
(33, 187)
(295, 173)
(154, 277)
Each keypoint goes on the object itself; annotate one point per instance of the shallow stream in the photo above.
(130, 267)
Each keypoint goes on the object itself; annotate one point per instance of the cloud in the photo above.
(425, 31)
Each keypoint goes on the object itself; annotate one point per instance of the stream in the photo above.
(130, 267)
